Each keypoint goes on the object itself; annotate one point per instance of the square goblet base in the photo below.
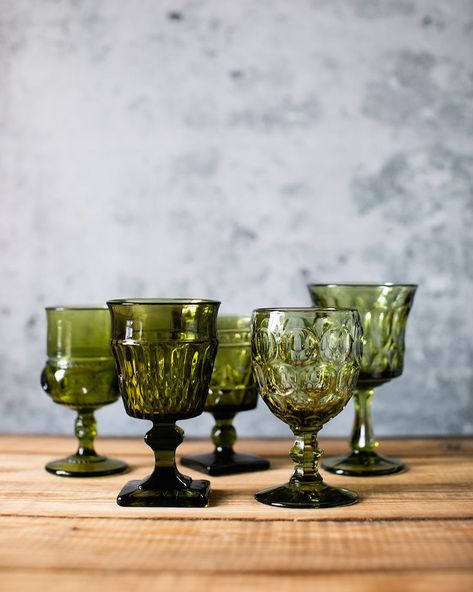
(217, 464)
(363, 463)
(312, 494)
(145, 493)
(86, 466)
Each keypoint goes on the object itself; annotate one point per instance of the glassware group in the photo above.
(171, 359)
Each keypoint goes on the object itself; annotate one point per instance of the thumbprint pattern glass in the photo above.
(165, 351)
(80, 373)
(384, 310)
(232, 389)
(306, 361)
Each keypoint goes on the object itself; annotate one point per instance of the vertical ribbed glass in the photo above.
(80, 373)
(306, 361)
(165, 350)
(384, 310)
(232, 389)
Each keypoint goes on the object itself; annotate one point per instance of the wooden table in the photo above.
(409, 532)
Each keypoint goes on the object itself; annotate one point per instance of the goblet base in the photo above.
(360, 463)
(216, 464)
(86, 466)
(312, 494)
(195, 494)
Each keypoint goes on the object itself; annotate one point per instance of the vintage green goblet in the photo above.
(232, 389)
(80, 373)
(384, 309)
(306, 362)
(165, 351)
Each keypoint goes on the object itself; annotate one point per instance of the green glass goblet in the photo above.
(232, 389)
(165, 351)
(80, 373)
(384, 309)
(306, 361)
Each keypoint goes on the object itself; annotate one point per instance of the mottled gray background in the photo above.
(237, 150)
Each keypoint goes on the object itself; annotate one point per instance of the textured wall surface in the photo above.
(238, 150)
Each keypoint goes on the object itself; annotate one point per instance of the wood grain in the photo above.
(412, 531)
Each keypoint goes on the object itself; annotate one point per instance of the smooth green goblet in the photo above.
(384, 309)
(165, 351)
(306, 362)
(232, 389)
(80, 373)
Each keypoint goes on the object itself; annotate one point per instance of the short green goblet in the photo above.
(232, 389)
(165, 351)
(306, 362)
(384, 309)
(80, 373)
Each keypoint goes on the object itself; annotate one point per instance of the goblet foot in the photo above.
(217, 464)
(192, 494)
(314, 494)
(86, 466)
(362, 463)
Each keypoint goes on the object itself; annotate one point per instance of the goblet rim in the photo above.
(307, 309)
(160, 301)
(362, 285)
(244, 319)
(67, 307)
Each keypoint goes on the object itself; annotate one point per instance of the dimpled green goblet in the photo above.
(384, 309)
(232, 389)
(80, 373)
(165, 351)
(306, 361)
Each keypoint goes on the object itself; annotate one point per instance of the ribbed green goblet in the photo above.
(80, 373)
(306, 362)
(232, 389)
(384, 309)
(165, 351)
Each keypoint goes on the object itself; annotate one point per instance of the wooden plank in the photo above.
(73, 581)
(434, 487)
(405, 447)
(412, 531)
(200, 546)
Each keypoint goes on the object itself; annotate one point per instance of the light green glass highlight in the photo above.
(306, 361)
(165, 351)
(80, 373)
(384, 310)
(232, 389)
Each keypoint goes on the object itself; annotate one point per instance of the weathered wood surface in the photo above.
(412, 531)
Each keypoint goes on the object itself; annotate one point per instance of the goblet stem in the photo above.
(362, 438)
(306, 453)
(224, 434)
(163, 439)
(86, 431)
(306, 488)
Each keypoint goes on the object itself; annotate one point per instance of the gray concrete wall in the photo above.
(238, 150)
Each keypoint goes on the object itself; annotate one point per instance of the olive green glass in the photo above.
(384, 309)
(80, 373)
(232, 389)
(165, 351)
(306, 362)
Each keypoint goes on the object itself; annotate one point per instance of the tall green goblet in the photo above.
(384, 309)
(80, 373)
(232, 389)
(306, 362)
(165, 351)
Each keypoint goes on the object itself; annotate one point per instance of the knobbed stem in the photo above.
(362, 438)
(306, 453)
(86, 431)
(224, 434)
(164, 439)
